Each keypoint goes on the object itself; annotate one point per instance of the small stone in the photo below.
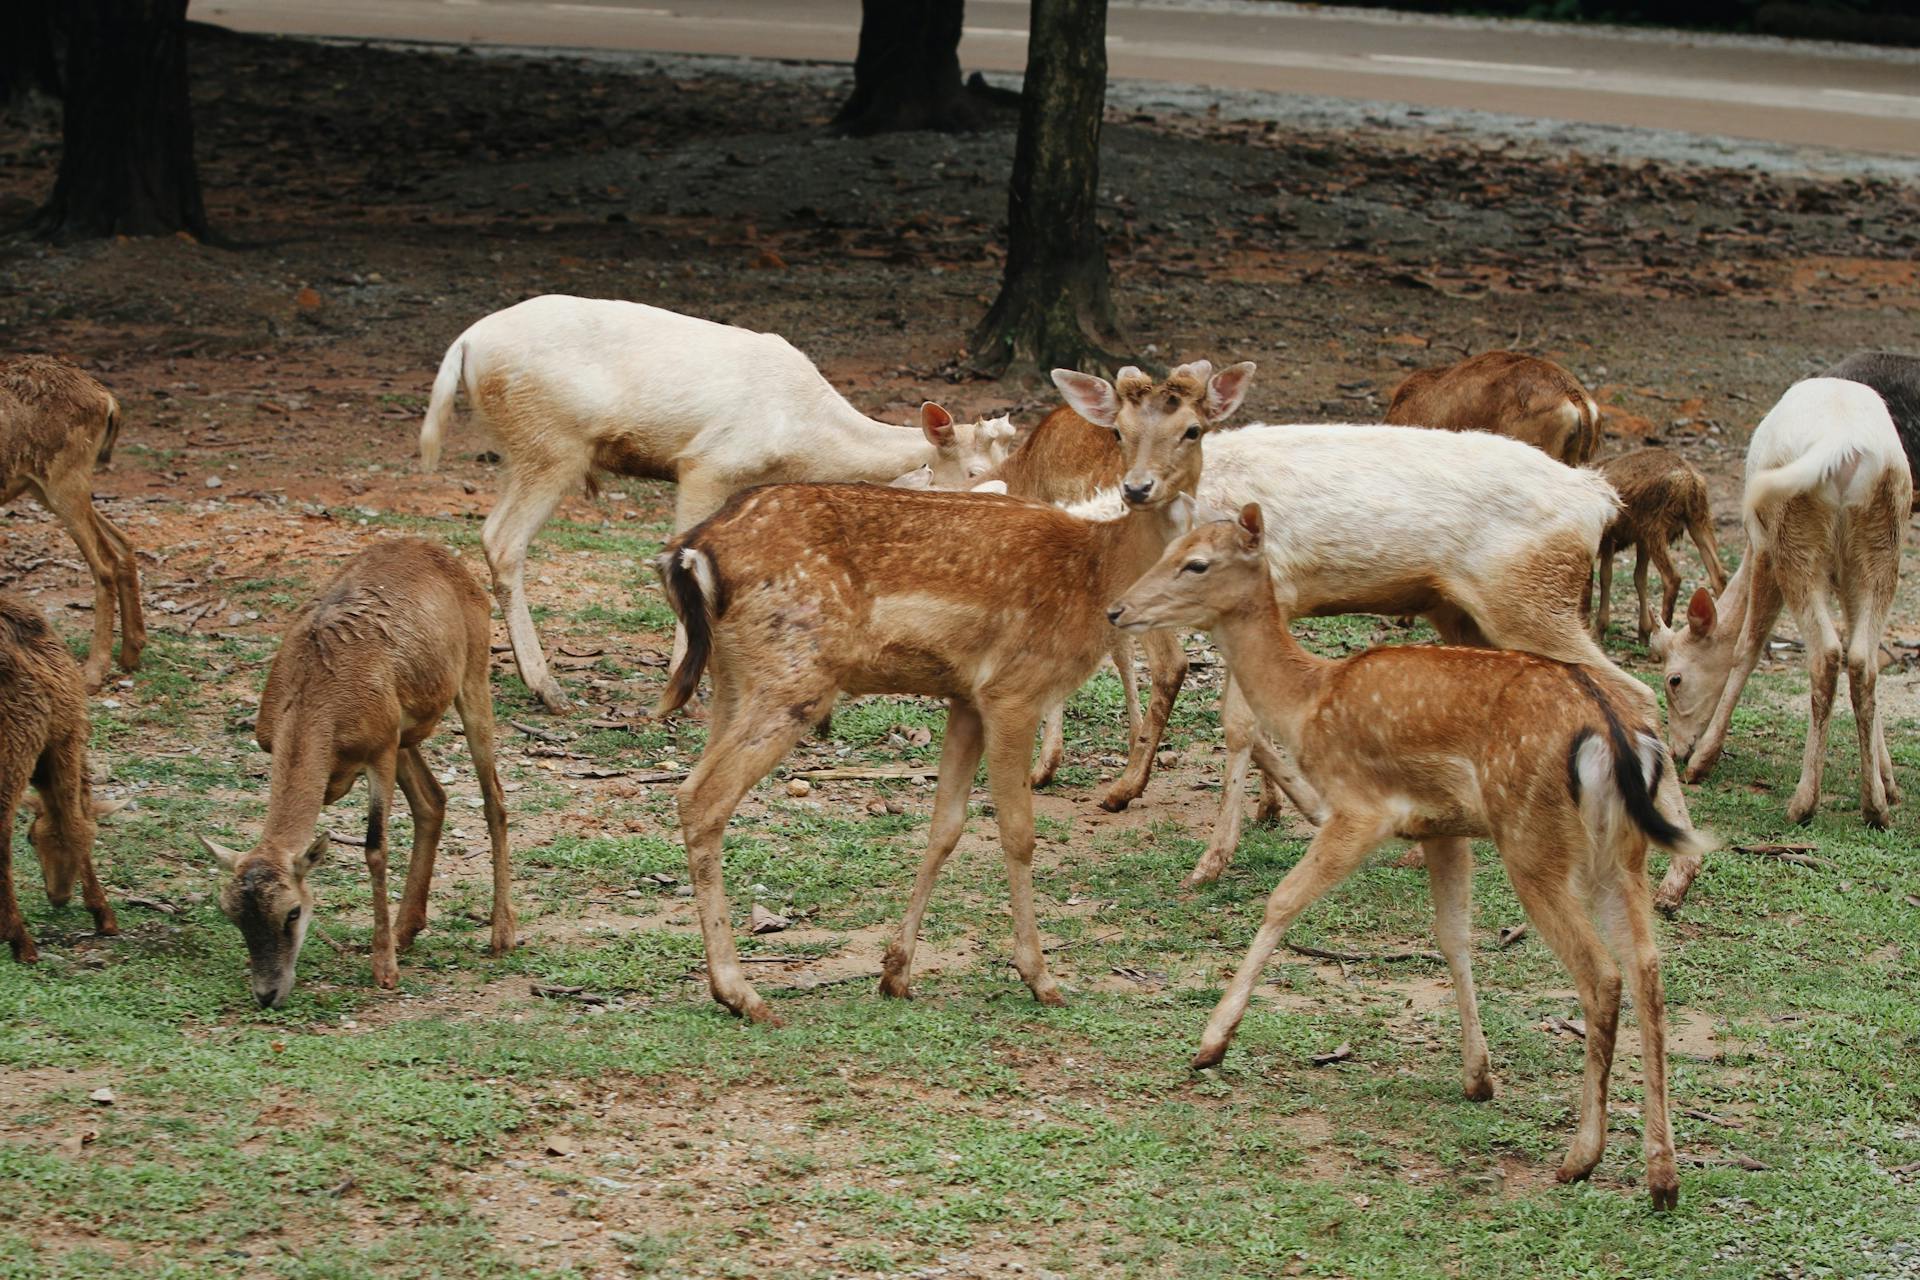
(214, 482)
(103, 1096)
(797, 787)
(561, 1145)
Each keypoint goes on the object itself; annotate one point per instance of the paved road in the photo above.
(1768, 91)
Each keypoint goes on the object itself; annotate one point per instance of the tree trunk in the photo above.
(27, 60)
(126, 160)
(1055, 299)
(907, 72)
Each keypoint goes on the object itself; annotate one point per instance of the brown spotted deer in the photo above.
(363, 677)
(43, 744)
(575, 387)
(1443, 745)
(1526, 398)
(793, 594)
(56, 425)
(1828, 492)
(1661, 494)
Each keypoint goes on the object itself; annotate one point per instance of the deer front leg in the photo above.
(380, 779)
(1450, 876)
(1240, 730)
(959, 760)
(1009, 733)
(1167, 664)
(13, 926)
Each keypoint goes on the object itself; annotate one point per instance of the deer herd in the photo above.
(818, 552)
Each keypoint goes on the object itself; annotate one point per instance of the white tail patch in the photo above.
(697, 563)
(1104, 505)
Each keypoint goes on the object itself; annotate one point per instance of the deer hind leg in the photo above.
(1237, 724)
(72, 504)
(1700, 529)
(1167, 664)
(1339, 846)
(1009, 739)
(427, 802)
(1450, 875)
(126, 577)
(528, 502)
(380, 779)
(1662, 552)
(1602, 613)
(1823, 670)
(959, 760)
(1643, 551)
(1869, 577)
(1625, 909)
(1541, 884)
(68, 855)
(754, 738)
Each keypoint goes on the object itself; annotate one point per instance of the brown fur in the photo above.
(1444, 745)
(363, 677)
(56, 425)
(43, 744)
(1525, 397)
(808, 591)
(1661, 493)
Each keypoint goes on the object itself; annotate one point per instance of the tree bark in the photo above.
(907, 72)
(126, 161)
(28, 63)
(1055, 306)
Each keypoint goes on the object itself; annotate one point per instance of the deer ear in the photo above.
(1659, 641)
(1700, 613)
(937, 423)
(1253, 522)
(919, 478)
(1227, 388)
(226, 857)
(316, 853)
(990, 486)
(1090, 397)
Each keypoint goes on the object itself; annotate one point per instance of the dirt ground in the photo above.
(371, 203)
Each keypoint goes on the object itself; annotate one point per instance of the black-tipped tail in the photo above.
(696, 613)
(1636, 789)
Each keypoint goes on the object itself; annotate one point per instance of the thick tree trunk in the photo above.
(907, 72)
(27, 60)
(1055, 306)
(126, 161)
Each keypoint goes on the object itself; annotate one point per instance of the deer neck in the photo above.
(870, 450)
(1281, 681)
(1129, 546)
(302, 766)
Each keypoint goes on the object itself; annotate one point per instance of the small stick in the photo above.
(1358, 957)
(534, 731)
(1794, 853)
(865, 775)
(1512, 934)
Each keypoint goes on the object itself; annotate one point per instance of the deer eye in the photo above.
(293, 918)
(1193, 432)
(1673, 682)
(1194, 566)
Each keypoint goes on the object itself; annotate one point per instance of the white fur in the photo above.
(1825, 436)
(1350, 506)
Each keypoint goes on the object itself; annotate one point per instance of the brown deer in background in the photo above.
(1661, 493)
(1527, 398)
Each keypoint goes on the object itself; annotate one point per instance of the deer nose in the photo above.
(1136, 494)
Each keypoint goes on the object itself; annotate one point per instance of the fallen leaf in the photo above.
(1340, 1053)
(765, 921)
(103, 1096)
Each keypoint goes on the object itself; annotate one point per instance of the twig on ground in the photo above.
(1340, 1054)
(1361, 957)
(1797, 854)
(1512, 934)
(862, 775)
(535, 731)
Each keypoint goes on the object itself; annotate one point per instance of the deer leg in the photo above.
(1866, 624)
(1277, 773)
(1603, 612)
(13, 926)
(1823, 670)
(1009, 743)
(1550, 904)
(380, 778)
(752, 741)
(1053, 744)
(1450, 876)
(528, 502)
(1239, 728)
(1763, 607)
(66, 849)
(1628, 915)
(959, 761)
(1167, 664)
(696, 496)
(427, 802)
(1643, 620)
(475, 704)
(72, 504)
(1337, 849)
(1662, 553)
(1700, 529)
(126, 576)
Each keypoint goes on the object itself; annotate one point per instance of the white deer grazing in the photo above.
(1443, 745)
(571, 387)
(1828, 490)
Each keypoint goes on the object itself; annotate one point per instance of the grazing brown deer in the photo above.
(1661, 493)
(56, 425)
(362, 678)
(1532, 400)
(796, 593)
(43, 743)
(1828, 492)
(1442, 745)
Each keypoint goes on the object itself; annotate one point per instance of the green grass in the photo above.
(360, 1134)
